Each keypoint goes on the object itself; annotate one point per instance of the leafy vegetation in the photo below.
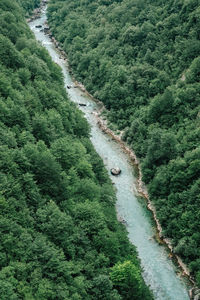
(29, 5)
(141, 58)
(59, 236)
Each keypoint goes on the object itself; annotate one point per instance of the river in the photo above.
(158, 270)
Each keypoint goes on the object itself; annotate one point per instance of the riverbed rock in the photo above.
(123, 222)
(38, 26)
(46, 29)
(82, 104)
(81, 86)
(115, 171)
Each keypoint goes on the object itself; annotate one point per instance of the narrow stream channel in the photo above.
(159, 271)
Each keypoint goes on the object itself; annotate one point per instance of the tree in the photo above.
(102, 288)
(127, 278)
(10, 57)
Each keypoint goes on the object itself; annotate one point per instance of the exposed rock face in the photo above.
(115, 171)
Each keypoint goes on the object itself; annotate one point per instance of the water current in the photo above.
(159, 271)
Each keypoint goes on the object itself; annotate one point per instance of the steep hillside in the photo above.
(59, 237)
(141, 58)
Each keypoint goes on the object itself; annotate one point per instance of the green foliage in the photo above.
(29, 5)
(59, 234)
(128, 281)
(141, 58)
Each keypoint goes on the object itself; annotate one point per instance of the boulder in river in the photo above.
(115, 171)
(38, 26)
(46, 29)
(123, 221)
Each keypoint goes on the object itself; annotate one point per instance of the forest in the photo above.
(142, 60)
(59, 234)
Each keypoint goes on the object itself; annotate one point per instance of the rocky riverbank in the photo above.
(37, 11)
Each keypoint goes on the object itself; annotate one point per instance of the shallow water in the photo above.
(159, 271)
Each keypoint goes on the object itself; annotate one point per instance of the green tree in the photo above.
(127, 278)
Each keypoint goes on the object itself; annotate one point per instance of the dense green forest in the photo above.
(59, 236)
(142, 59)
(29, 5)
